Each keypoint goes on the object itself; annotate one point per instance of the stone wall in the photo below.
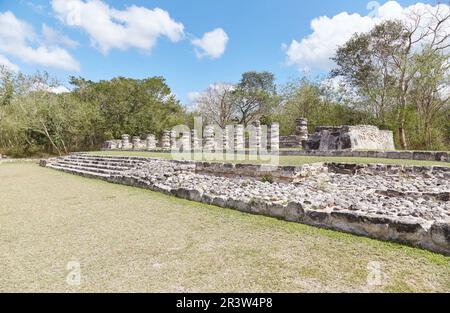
(442, 156)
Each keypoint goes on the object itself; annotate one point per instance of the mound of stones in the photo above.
(399, 203)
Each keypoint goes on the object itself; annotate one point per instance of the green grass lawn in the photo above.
(130, 239)
(283, 160)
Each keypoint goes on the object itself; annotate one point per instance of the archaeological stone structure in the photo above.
(327, 138)
(232, 137)
(406, 204)
(300, 135)
(359, 137)
(149, 144)
(344, 141)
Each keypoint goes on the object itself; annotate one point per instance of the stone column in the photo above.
(126, 142)
(150, 142)
(108, 145)
(173, 140)
(186, 141)
(274, 137)
(209, 141)
(195, 140)
(239, 137)
(136, 142)
(165, 140)
(258, 132)
(301, 128)
(254, 136)
(226, 139)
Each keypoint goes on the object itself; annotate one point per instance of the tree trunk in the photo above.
(402, 135)
(50, 138)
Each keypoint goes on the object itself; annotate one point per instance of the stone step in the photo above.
(130, 161)
(116, 157)
(101, 165)
(104, 162)
(78, 171)
(85, 169)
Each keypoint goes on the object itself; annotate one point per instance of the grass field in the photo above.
(130, 239)
(283, 160)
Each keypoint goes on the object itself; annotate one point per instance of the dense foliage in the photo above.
(34, 120)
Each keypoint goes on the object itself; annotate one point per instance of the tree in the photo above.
(311, 99)
(367, 70)
(34, 120)
(216, 105)
(430, 92)
(255, 96)
(132, 106)
(381, 63)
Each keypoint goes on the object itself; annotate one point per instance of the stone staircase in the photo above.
(92, 165)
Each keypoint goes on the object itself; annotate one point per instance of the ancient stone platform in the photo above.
(359, 137)
(407, 204)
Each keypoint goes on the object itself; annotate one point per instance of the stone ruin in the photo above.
(359, 137)
(325, 138)
(231, 138)
(300, 135)
(135, 144)
(406, 204)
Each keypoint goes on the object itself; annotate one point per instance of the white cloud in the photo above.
(53, 87)
(212, 44)
(58, 89)
(315, 50)
(53, 37)
(18, 39)
(8, 64)
(133, 27)
(193, 96)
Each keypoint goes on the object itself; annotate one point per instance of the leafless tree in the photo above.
(216, 105)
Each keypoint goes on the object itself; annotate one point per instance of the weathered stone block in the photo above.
(314, 217)
(424, 155)
(439, 234)
(276, 210)
(294, 212)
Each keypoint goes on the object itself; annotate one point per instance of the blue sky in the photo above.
(272, 35)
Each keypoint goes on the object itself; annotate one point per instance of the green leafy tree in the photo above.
(133, 106)
(254, 97)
